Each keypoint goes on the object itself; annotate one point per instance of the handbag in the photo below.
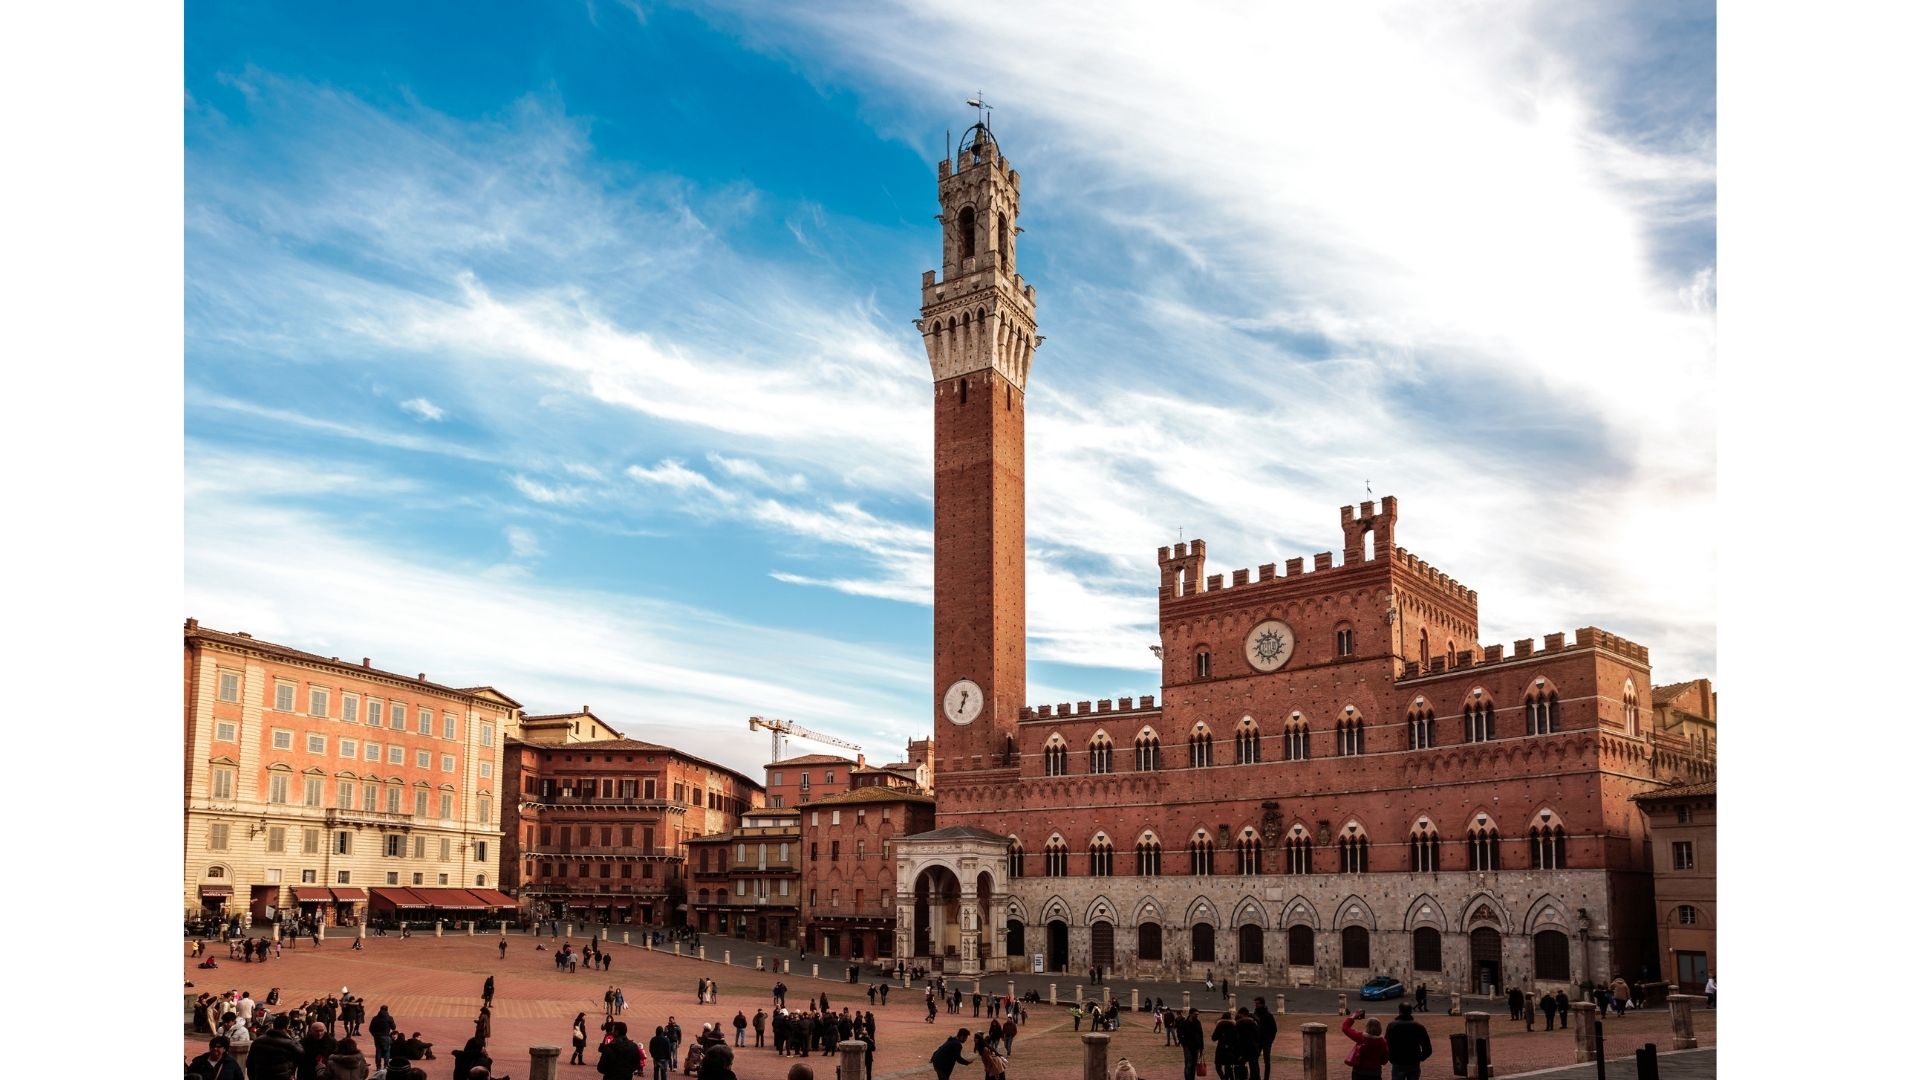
(1200, 1068)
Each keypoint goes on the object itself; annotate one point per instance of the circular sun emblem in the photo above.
(1270, 645)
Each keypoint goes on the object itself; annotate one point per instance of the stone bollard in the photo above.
(568, 927)
(321, 931)
(1079, 994)
(1233, 1002)
(545, 1064)
(1582, 1023)
(439, 928)
(276, 931)
(786, 967)
(1010, 990)
(1094, 1057)
(503, 928)
(726, 957)
(703, 952)
(239, 1055)
(759, 963)
(853, 1060)
(1453, 1008)
(1313, 1051)
(1280, 1004)
(676, 948)
(1343, 1004)
(646, 938)
(1133, 999)
(606, 933)
(1186, 1000)
(1680, 1010)
(626, 937)
(1478, 1029)
(363, 931)
(816, 971)
(1053, 993)
(469, 927)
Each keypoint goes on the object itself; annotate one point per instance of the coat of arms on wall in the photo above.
(1270, 822)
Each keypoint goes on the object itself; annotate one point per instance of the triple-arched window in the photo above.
(1100, 856)
(1477, 718)
(1202, 861)
(1100, 754)
(1349, 733)
(1016, 859)
(1547, 844)
(1056, 855)
(1483, 848)
(1425, 843)
(1296, 744)
(1146, 751)
(1353, 847)
(1543, 710)
(1246, 742)
(1247, 853)
(1055, 756)
(1199, 747)
(1146, 855)
(1299, 848)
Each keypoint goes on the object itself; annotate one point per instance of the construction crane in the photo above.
(782, 728)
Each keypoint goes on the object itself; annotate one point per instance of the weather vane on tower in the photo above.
(983, 112)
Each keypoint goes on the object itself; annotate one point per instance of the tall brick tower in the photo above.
(977, 318)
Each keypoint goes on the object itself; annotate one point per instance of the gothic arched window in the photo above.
(966, 232)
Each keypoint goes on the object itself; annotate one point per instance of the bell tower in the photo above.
(976, 316)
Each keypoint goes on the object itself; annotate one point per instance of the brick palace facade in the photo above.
(1337, 777)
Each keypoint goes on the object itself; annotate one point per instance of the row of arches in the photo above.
(1481, 847)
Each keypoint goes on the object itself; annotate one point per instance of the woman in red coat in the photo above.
(1370, 1050)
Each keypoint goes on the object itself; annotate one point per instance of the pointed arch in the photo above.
(1425, 910)
(1148, 909)
(1354, 847)
(1251, 910)
(1246, 741)
(1300, 911)
(1055, 755)
(1100, 909)
(1542, 706)
(1199, 745)
(1549, 912)
(1100, 753)
(1296, 738)
(1100, 855)
(1484, 909)
(1350, 732)
(1146, 854)
(1354, 911)
(1202, 909)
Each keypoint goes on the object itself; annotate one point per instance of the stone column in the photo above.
(1343, 1004)
(1053, 993)
(569, 930)
(439, 928)
(1313, 1051)
(1133, 999)
(1453, 1006)
(362, 931)
(503, 927)
(320, 929)
(726, 957)
(626, 937)
(703, 952)
(545, 1064)
(1280, 1004)
(786, 967)
(1680, 1009)
(969, 932)
(1186, 1000)
(469, 927)
(1079, 994)
(1477, 1029)
(759, 963)
(1094, 1057)
(1582, 1030)
(676, 948)
(853, 1060)
(1233, 1003)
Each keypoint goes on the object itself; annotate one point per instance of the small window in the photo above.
(446, 725)
(316, 702)
(222, 787)
(486, 773)
(217, 836)
(226, 731)
(1203, 665)
(283, 697)
(423, 759)
(343, 842)
(373, 713)
(350, 709)
(396, 755)
(424, 716)
(446, 762)
(343, 877)
(282, 739)
(277, 839)
(229, 686)
(1683, 854)
(1689, 915)
(277, 787)
(486, 734)
(1343, 642)
(1682, 814)
(316, 744)
(349, 748)
(313, 791)
(372, 752)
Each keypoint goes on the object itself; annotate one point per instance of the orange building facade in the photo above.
(310, 780)
(847, 878)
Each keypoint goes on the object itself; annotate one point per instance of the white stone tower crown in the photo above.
(976, 313)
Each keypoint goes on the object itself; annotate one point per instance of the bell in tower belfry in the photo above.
(976, 317)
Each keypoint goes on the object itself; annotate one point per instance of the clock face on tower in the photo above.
(1270, 645)
(963, 702)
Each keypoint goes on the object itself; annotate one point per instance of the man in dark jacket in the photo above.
(1192, 1040)
(1248, 1031)
(216, 1063)
(1407, 1045)
(1269, 1031)
(315, 1049)
(1548, 1006)
(486, 992)
(1226, 1046)
(275, 1055)
(949, 1055)
(619, 1058)
(382, 1028)
(662, 1050)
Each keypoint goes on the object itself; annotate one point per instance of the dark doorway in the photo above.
(1252, 944)
(1103, 946)
(1690, 971)
(1485, 948)
(1056, 946)
(1017, 940)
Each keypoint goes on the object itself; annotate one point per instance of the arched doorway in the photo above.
(1484, 945)
(1056, 946)
(1103, 946)
(1016, 939)
(1300, 945)
(936, 914)
(1252, 944)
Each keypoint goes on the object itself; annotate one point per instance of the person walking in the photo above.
(1621, 994)
(579, 1040)
(619, 1001)
(486, 992)
(662, 1050)
(1007, 1031)
(1712, 989)
(1563, 1008)
(759, 1028)
(1226, 1047)
(1192, 1040)
(1420, 997)
(1370, 1051)
(1513, 1003)
(1526, 1010)
(1548, 1006)
(1407, 1045)
(740, 1028)
(949, 1054)
(1269, 1031)
(883, 995)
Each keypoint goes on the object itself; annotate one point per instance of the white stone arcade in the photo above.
(950, 886)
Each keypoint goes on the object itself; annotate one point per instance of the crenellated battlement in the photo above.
(1479, 656)
(1434, 578)
(1183, 567)
(1103, 707)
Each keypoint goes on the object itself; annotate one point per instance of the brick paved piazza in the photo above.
(433, 986)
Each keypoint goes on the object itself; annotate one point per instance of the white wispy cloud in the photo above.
(523, 541)
(422, 408)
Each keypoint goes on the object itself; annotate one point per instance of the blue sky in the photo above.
(568, 347)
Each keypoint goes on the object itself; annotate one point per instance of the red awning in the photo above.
(493, 898)
(449, 899)
(398, 898)
(348, 894)
(216, 890)
(311, 894)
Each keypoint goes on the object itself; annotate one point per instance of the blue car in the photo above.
(1382, 987)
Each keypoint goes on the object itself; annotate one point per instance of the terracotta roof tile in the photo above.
(871, 795)
(1677, 791)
